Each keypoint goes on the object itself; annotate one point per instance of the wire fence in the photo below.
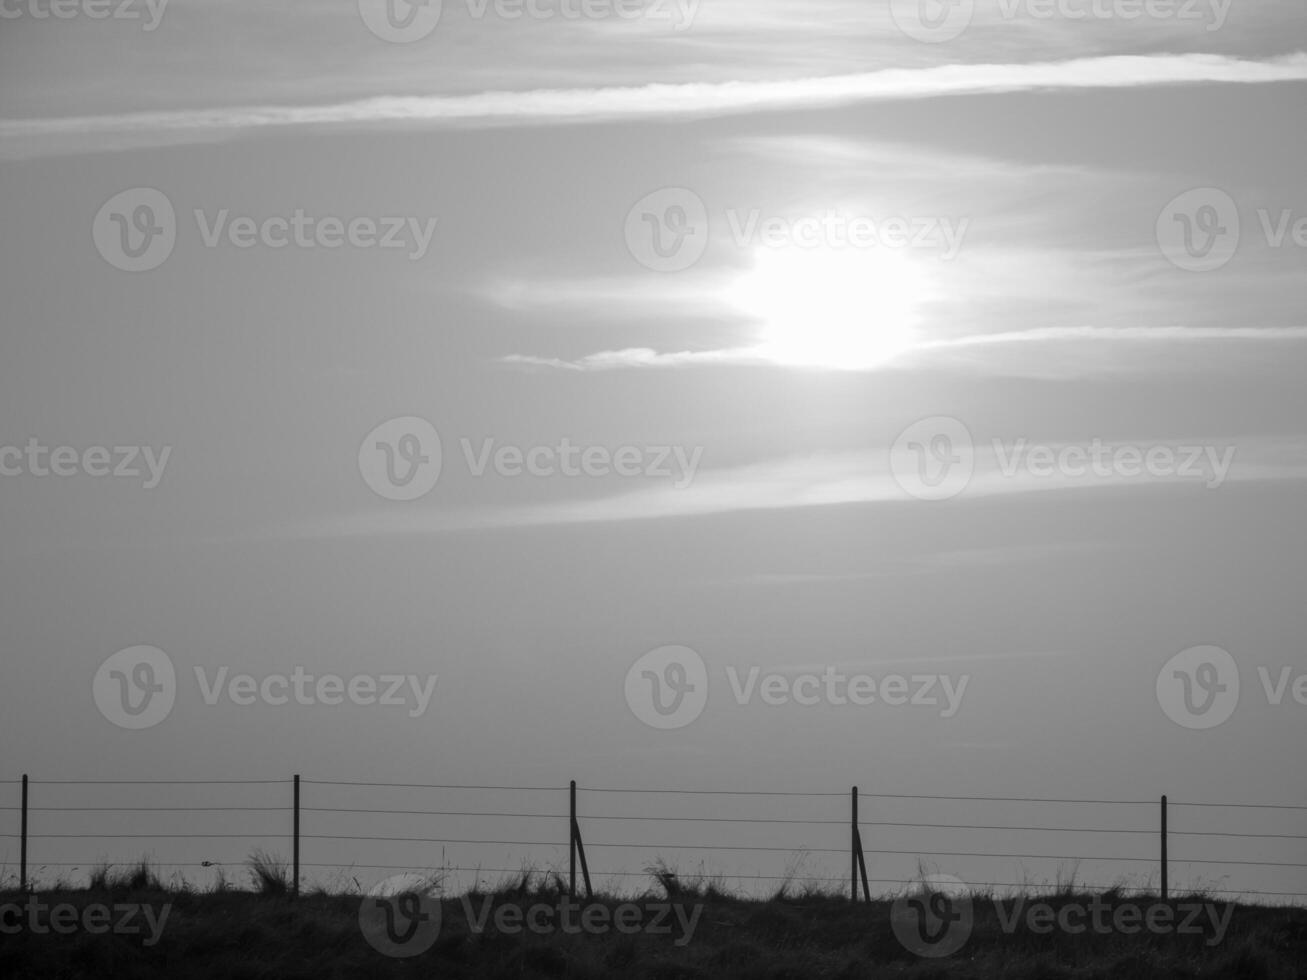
(341, 825)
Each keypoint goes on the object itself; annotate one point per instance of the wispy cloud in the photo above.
(817, 480)
(30, 137)
(644, 357)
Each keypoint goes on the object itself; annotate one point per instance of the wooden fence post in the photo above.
(295, 847)
(576, 849)
(22, 847)
(857, 862)
(1164, 868)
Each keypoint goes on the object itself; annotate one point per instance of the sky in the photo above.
(530, 346)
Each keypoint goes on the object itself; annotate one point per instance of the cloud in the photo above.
(35, 137)
(824, 479)
(644, 357)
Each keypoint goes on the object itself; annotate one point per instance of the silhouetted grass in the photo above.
(800, 932)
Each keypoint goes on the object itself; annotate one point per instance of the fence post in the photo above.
(576, 848)
(295, 847)
(22, 848)
(857, 862)
(1164, 868)
(853, 847)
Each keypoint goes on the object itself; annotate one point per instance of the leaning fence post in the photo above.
(1164, 869)
(22, 847)
(857, 862)
(295, 847)
(577, 848)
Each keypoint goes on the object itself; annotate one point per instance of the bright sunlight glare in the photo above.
(831, 307)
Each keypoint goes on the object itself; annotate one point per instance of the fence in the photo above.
(292, 810)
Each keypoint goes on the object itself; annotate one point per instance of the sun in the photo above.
(846, 308)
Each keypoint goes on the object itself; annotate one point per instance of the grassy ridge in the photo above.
(229, 934)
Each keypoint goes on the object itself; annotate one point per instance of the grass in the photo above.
(800, 933)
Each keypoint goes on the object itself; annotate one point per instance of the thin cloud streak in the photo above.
(49, 136)
(644, 357)
(855, 477)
